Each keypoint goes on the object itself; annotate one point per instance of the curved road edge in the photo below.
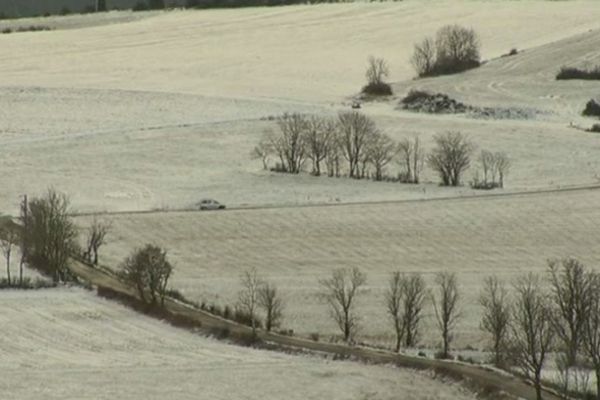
(486, 382)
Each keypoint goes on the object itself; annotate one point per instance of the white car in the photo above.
(210, 204)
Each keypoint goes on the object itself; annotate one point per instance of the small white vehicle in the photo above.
(210, 204)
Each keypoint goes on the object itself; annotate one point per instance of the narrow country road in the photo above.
(481, 379)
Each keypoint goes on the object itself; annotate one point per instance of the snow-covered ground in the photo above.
(165, 109)
(69, 344)
(295, 247)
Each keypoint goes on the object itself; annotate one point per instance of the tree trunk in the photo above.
(21, 270)
(598, 382)
(8, 266)
(538, 385)
(497, 353)
(398, 337)
(446, 345)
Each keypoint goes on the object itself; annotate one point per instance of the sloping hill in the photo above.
(275, 52)
(295, 247)
(526, 80)
(68, 344)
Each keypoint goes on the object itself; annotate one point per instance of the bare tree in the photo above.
(270, 301)
(377, 70)
(502, 165)
(96, 237)
(532, 330)
(423, 58)
(393, 301)
(381, 151)
(572, 291)
(333, 157)
(9, 238)
(248, 297)
(591, 337)
(445, 305)
(487, 161)
(413, 302)
(451, 157)
(411, 159)
(264, 149)
(457, 49)
(496, 315)
(340, 292)
(148, 271)
(355, 131)
(49, 235)
(319, 138)
(571, 378)
(292, 143)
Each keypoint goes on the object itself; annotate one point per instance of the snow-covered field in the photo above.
(159, 110)
(70, 344)
(295, 247)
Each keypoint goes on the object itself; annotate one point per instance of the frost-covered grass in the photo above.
(70, 344)
(295, 248)
(161, 110)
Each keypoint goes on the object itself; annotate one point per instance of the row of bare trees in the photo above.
(525, 324)
(405, 299)
(561, 314)
(493, 167)
(258, 294)
(46, 238)
(353, 139)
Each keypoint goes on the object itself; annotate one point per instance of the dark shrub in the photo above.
(65, 11)
(221, 333)
(575, 73)
(592, 109)
(453, 66)
(314, 336)
(244, 318)
(422, 354)
(140, 6)
(416, 95)
(88, 9)
(481, 185)
(377, 89)
(7, 30)
(513, 52)
(439, 355)
(595, 128)
(279, 168)
(455, 49)
(27, 284)
(156, 4)
(215, 309)
(227, 314)
(33, 28)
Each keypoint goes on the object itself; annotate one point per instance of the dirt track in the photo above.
(484, 380)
